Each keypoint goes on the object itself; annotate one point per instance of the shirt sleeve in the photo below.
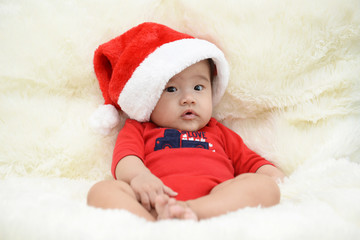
(129, 142)
(244, 159)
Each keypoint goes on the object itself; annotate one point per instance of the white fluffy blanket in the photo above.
(294, 97)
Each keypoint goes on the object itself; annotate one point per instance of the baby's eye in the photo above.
(198, 87)
(170, 89)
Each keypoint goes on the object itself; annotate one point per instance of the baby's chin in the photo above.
(191, 127)
(184, 125)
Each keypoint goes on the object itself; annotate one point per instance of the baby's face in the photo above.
(186, 103)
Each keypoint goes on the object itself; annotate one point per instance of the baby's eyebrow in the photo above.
(203, 77)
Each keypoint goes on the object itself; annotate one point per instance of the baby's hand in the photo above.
(147, 186)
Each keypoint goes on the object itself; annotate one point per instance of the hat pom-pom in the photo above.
(104, 119)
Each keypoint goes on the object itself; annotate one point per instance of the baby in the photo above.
(171, 158)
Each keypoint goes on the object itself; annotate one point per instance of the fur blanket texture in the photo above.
(294, 97)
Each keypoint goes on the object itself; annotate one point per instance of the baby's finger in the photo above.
(152, 196)
(170, 192)
(145, 201)
(138, 196)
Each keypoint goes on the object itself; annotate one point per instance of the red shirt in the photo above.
(190, 163)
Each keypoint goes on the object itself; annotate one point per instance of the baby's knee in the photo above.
(96, 192)
(101, 190)
(270, 190)
(263, 187)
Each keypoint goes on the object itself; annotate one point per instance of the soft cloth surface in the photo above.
(294, 97)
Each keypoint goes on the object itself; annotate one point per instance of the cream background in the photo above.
(293, 96)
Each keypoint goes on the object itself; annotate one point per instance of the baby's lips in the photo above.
(189, 114)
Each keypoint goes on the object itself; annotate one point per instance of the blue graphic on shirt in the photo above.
(175, 139)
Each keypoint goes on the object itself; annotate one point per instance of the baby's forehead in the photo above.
(197, 71)
(194, 78)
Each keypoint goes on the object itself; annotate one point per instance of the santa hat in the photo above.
(134, 68)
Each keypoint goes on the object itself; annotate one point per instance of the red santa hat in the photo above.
(134, 68)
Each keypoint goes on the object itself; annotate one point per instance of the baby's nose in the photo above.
(187, 98)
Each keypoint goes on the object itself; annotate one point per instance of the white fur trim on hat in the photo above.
(143, 90)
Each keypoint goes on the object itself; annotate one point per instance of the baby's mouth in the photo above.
(189, 115)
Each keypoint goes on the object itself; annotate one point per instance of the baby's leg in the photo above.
(246, 190)
(118, 195)
(169, 208)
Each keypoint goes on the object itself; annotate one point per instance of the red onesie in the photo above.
(190, 163)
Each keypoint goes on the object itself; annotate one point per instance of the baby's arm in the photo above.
(271, 171)
(145, 185)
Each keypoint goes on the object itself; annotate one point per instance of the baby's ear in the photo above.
(104, 119)
(213, 70)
